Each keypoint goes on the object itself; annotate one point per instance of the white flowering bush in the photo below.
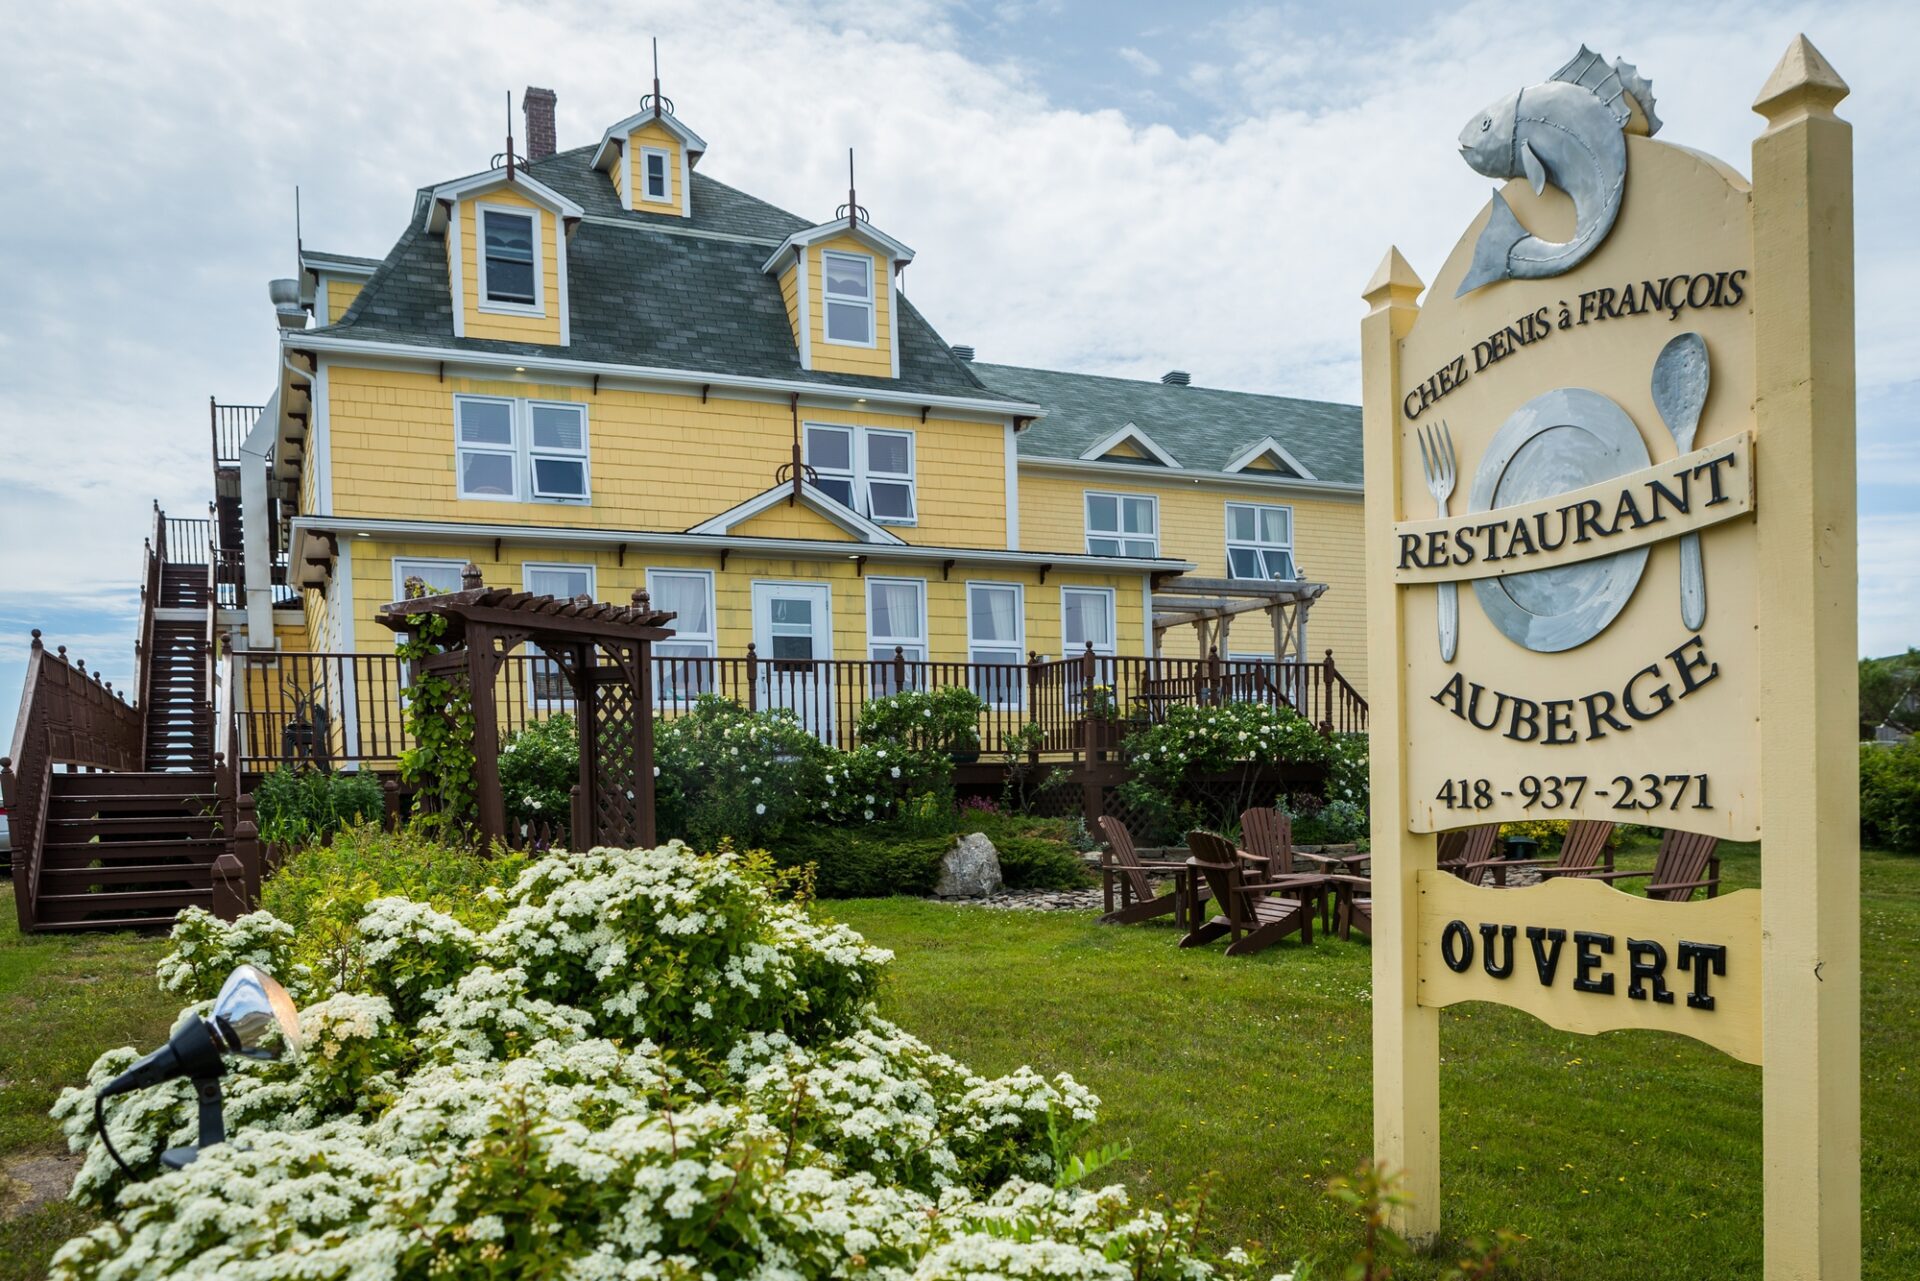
(1171, 757)
(646, 1066)
(206, 949)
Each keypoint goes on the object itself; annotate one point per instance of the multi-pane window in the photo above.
(437, 577)
(1259, 541)
(896, 620)
(548, 686)
(866, 468)
(849, 297)
(996, 634)
(520, 450)
(654, 182)
(509, 253)
(1122, 525)
(687, 669)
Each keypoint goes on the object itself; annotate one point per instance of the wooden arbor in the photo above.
(605, 653)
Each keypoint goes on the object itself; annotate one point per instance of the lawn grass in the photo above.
(64, 998)
(1628, 1155)
(1631, 1155)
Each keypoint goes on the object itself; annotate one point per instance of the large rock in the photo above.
(971, 869)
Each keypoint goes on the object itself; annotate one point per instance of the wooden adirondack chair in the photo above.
(1467, 852)
(1686, 862)
(1267, 834)
(1257, 913)
(1580, 854)
(1122, 868)
(1353, 905)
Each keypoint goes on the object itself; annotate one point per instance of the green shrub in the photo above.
(866, 862)
(294, 807)
(1890, 795)
(538, 768)
(1035, 853)
(1169, 759)
(943, 720)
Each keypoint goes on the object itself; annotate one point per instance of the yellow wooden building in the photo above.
(598, 370)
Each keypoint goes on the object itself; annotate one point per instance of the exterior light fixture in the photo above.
(519, 369)
(252, 1017)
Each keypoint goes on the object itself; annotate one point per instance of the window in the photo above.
(1122, 525)
(896, 619)
(996, 634)
(1259, 541)
(520, 450)
(437, 577)
(1086, 618)
(849, 297)
(654, 184)
(689, 672)
(548, 688)
(865, 468)
(509, 258)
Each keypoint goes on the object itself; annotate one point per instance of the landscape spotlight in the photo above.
(253, 1017)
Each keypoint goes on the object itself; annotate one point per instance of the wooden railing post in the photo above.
(753, 678)
(899, 669)
(245, 849)
(390, 802)
(1214, 691)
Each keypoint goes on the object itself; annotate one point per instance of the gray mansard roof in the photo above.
(649, 289)
(1203, 428)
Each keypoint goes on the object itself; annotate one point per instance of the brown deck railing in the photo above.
(231, 423)
(346, 707)
(67, 719)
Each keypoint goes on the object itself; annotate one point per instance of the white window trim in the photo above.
(874, 640)
(666, 175)
(828, 297)
(538, 307)
(711, 638)
(527, 570)
(520, 414)
(1113, 622)
(1256, 545)
(1086, 517)
(1019, 643)
(861, 477)
(400, 579)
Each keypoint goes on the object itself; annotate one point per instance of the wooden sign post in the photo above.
(1611, 518)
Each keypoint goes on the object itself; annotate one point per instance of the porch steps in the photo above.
(127, 850)
(176, 697)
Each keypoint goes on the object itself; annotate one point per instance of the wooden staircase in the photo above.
(126, 849)
(179, 714)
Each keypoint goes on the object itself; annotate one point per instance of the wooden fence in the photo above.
(334, 708)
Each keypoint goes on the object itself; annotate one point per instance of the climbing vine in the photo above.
(439, 717)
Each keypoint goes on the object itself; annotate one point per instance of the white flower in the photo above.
(761, 808)
(896, 771)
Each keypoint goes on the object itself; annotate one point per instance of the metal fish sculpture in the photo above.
(1568, 132)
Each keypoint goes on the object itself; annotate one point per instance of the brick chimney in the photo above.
(538, 106)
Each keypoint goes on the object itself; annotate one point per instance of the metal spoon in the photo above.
(1681, 376)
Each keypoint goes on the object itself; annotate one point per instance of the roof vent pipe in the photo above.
(963, 353)
(1176, 378)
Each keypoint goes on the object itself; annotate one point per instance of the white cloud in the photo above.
(1143, 63)
(154, 149)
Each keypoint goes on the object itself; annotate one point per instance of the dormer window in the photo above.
(849, 298)
(510, 243)
(653, 179)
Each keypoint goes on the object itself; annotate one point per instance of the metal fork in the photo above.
(1436, 459)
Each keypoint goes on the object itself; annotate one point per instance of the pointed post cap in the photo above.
(470, 577)
(1803, 84)
(1394, 281)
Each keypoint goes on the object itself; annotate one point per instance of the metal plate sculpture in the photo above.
(1564, 440)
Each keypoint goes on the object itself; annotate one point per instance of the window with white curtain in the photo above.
(896, 619)
(1122, 525)
(437, 577)
(509, 450)
(849, 298)
(547, 686)
(996, 633)
(689, 594)
(1086, 618)
(869, 469)
(1259, 541)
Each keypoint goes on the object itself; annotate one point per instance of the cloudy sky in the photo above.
(1108, 186)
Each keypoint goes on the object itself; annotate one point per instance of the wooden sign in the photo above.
(1611, 525)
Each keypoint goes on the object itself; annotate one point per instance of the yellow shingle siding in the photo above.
(733, 590)
(790, 295)
(509, 327)
(658, 137)
(844, 358)
(1327, 545)
(658, 460)
(340, 296)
